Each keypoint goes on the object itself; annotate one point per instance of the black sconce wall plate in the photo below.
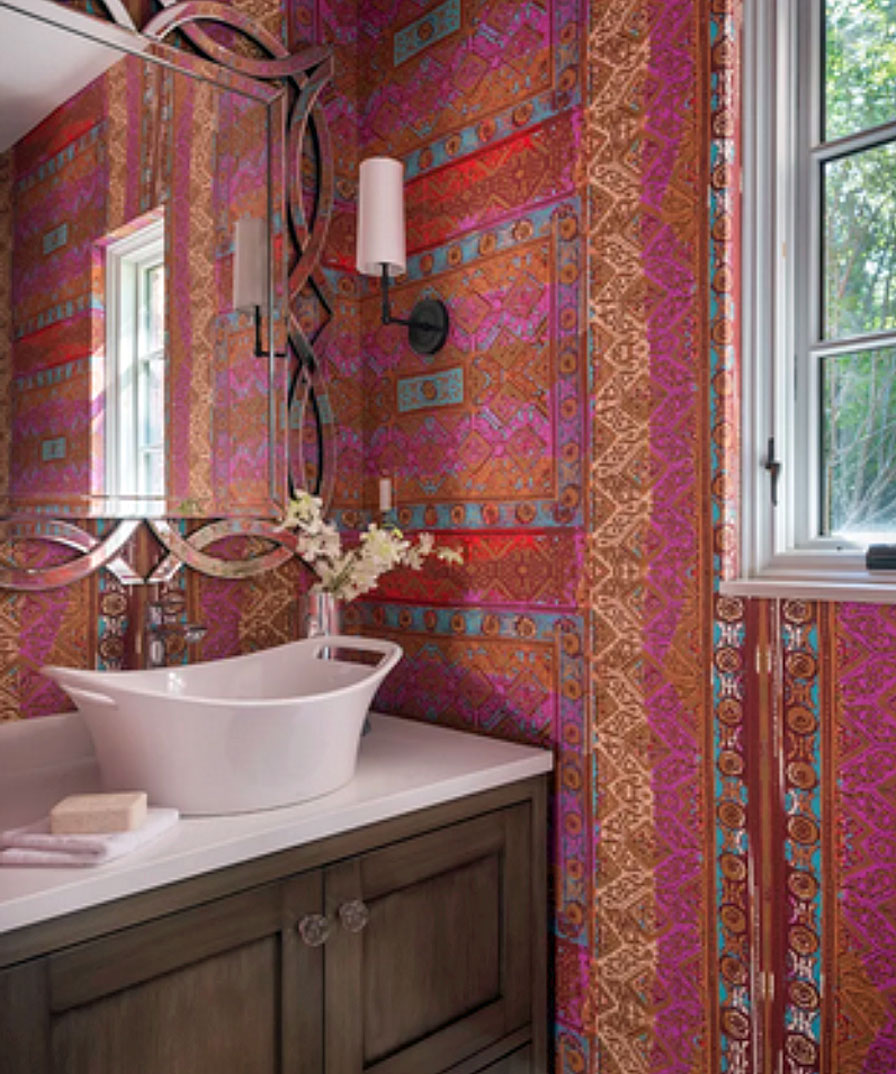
(428, 326)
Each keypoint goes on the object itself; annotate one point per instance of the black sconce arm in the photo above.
(260, 352)
(427, 325)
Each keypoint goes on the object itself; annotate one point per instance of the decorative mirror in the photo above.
(157, 229)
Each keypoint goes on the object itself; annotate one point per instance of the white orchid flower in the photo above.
(349, 574)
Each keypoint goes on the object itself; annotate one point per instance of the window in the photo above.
(135, 382)
(819, 296)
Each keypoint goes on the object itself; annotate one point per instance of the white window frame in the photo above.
(780, 555)
(128, 261)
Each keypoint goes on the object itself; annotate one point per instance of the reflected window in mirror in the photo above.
(134, 434)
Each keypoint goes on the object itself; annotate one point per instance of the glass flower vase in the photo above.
(320, 613)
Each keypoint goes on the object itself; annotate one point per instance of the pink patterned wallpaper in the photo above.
(487, 442)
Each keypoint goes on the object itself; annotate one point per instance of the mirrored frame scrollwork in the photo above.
(245, 51)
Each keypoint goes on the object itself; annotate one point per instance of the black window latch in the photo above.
(773, 466)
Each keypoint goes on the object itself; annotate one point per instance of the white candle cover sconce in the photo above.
(381, 250)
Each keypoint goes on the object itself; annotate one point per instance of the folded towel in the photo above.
(36, 845)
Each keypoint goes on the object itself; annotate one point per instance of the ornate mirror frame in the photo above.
(309, 187)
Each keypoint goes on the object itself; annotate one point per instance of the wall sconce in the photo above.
(381, 250)
(250, 272)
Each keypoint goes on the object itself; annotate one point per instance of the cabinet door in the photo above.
(196, 991)
(431, 955)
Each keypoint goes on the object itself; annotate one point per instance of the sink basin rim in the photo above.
(143, 681)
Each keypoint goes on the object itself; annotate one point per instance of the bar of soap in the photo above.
(86, 814)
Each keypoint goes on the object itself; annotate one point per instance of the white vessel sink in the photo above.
(249, 732)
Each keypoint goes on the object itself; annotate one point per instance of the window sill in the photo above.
(856, 586)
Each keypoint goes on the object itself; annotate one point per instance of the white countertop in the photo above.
(403, 765)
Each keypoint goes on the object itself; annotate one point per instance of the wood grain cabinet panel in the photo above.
(400, 950)
(441, 969)
(220, 1014)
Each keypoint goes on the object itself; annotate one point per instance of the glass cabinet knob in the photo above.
(354, 915)
(314, 929)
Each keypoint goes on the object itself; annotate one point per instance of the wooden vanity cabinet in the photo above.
(191, 992)
(413, 946)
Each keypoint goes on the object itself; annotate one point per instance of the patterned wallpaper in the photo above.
(485, 442)
(488, 442)
(58, 186)
(724, 801)
(645, 1005)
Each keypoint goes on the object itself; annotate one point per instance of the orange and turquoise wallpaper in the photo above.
(723, 880)
(488, 442)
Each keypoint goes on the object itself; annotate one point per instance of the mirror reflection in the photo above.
(135, 387)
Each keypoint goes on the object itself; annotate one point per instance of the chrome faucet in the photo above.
(157, 630)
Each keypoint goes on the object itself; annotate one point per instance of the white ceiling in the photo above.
(41, 65)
